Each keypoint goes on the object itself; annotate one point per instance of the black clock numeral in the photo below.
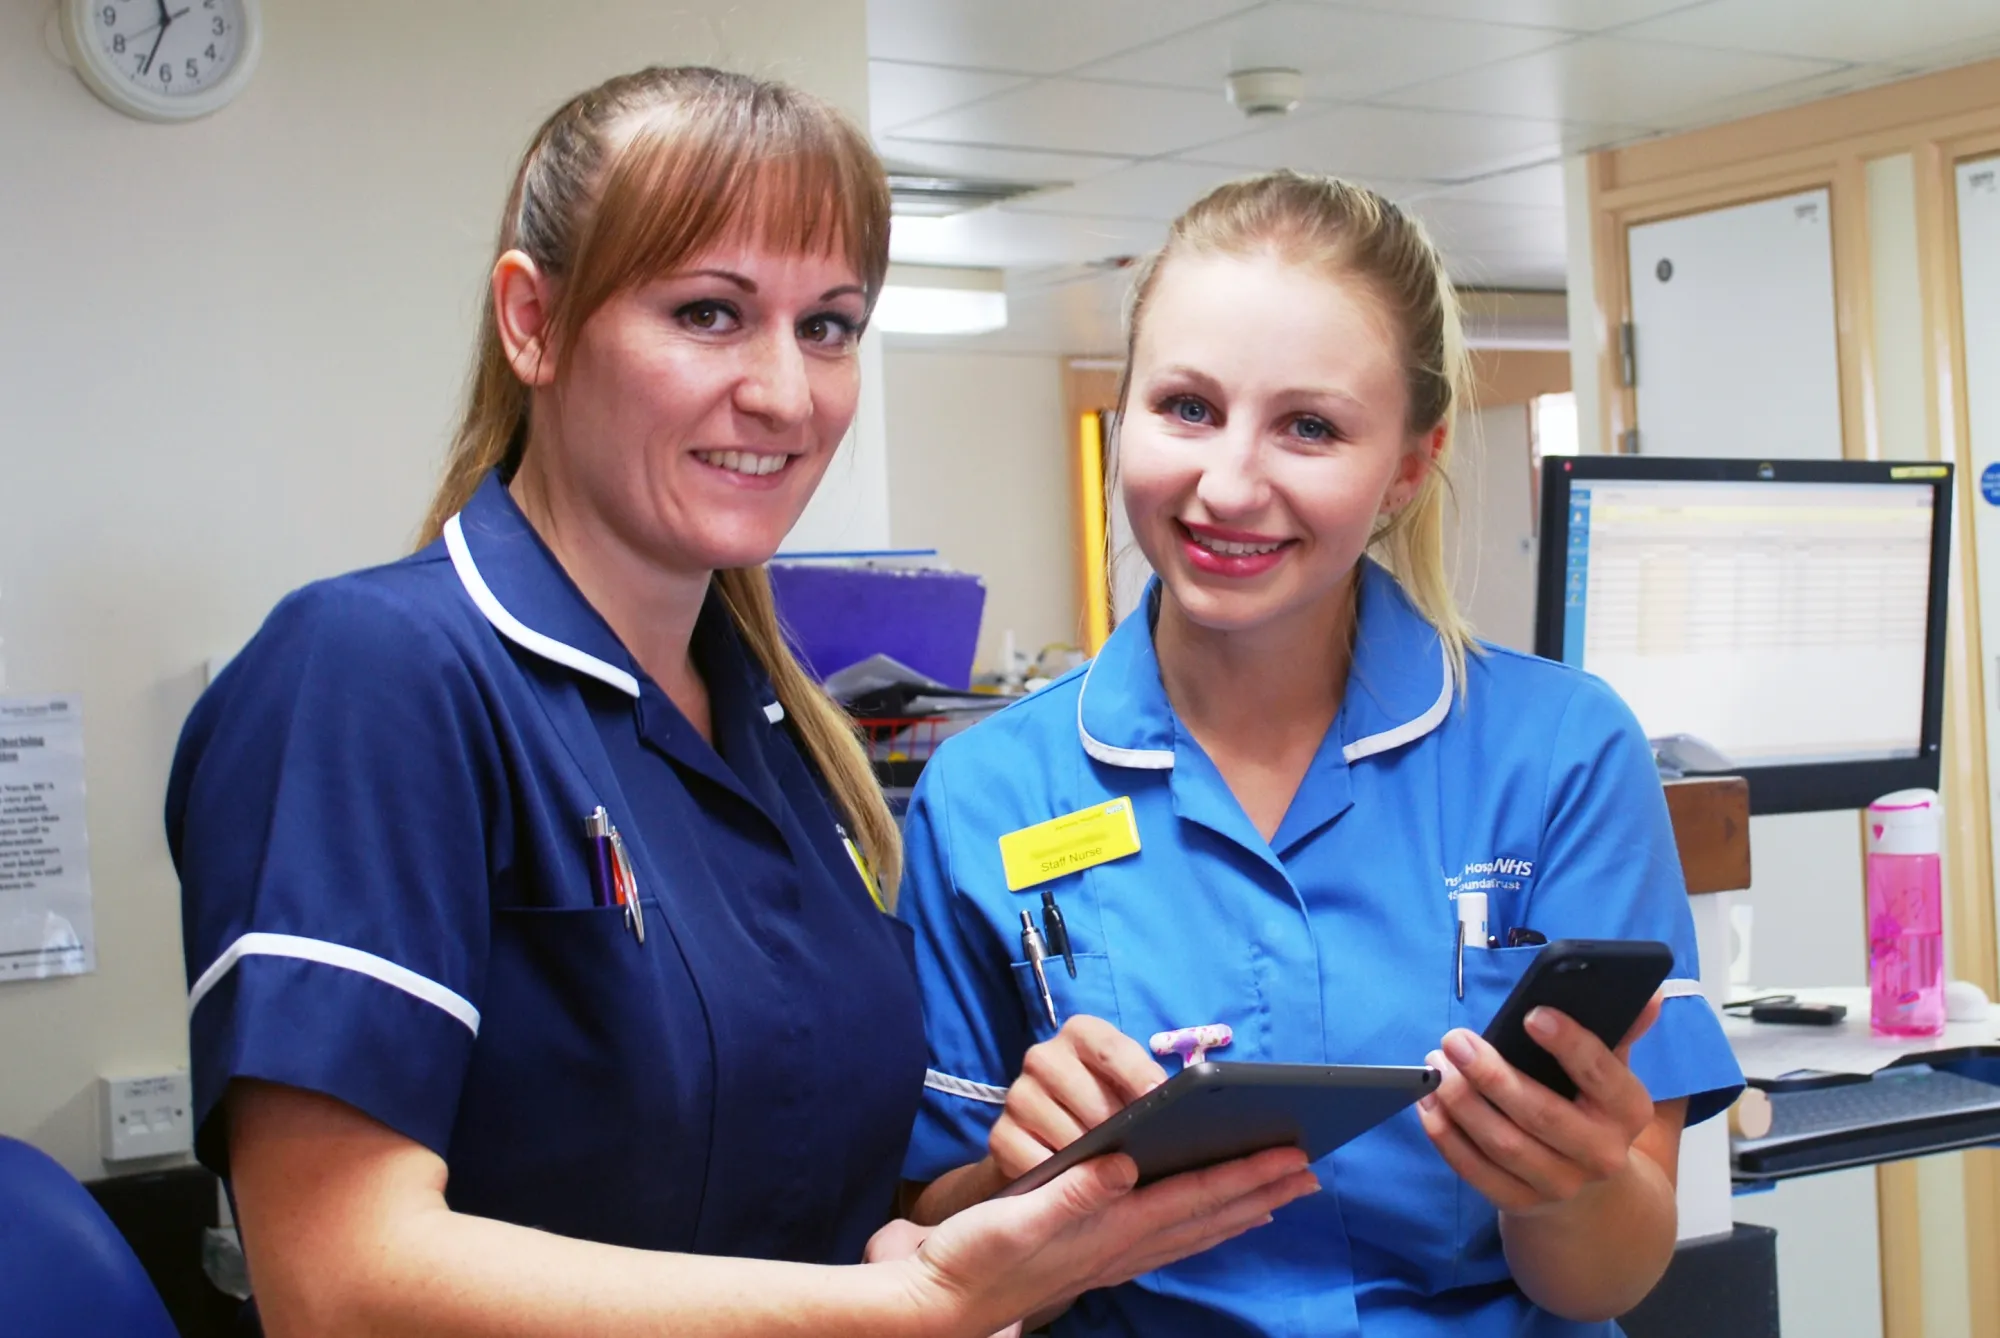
(220, 26)
(109, 15)
(166, 74)
(193, 71)
(210, 53)
(118, 43)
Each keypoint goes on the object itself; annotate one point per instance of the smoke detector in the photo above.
(1269, 92)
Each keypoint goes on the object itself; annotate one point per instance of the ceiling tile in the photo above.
(1390, 144)
(1157, 190)
(1532, 270)
(1578, 16)
(1008, 238)
(1471, 228)
(1033, 36)
(899, 93)
(1856, 30)
(1008, 164)
(1610, 81)
(1540, 186)
(1345, 54)
(1790, 94)
(1086, 117)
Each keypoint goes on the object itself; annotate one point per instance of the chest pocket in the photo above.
(1490, 976)
(1090, 994)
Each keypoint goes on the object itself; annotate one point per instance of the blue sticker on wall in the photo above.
(1989, 483)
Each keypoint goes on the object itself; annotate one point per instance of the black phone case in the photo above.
(1602, 983)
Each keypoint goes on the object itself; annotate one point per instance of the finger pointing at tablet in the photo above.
(1070, 1084)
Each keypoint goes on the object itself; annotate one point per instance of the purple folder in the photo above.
(840, 614)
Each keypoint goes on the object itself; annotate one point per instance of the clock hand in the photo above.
(147, 68)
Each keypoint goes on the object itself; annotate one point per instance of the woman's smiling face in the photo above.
(699, 411)
(1265, 435)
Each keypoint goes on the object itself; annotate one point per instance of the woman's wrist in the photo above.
(957, 1190)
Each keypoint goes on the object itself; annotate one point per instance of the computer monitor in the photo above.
(1780, 620)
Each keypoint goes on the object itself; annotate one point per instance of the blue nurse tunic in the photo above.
(378, 813)
(1333, 942)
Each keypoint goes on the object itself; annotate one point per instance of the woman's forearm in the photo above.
(1596, 1256)
(443, 1274)
(956, 1190)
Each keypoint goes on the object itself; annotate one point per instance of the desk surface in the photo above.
(1768, 1051)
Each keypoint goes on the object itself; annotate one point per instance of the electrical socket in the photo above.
(150, 1115)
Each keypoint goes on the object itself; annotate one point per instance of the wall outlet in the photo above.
(146, 1116)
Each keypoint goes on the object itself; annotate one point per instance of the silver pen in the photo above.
(1036, 951)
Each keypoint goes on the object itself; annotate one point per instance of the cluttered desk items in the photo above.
(1833, 1096)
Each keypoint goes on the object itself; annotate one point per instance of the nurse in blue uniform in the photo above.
(1319, 762)
(532, 939)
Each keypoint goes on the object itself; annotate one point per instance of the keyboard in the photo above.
(1900, 1112)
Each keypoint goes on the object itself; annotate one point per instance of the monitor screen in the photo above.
(1779, 620)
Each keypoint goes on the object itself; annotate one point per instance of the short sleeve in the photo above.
(1609, 868)
(327, 813)
(971, 1013)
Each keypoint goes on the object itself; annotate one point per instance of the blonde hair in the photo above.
(1349, 231)
(624, 183)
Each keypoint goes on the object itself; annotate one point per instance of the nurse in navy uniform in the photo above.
(540, 980)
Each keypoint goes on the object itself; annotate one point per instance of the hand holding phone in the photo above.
(1507, 1116)
(1602, 984)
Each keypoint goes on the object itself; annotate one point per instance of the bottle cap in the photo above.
(1904, 823)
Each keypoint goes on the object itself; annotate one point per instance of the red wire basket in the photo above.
(898, 746)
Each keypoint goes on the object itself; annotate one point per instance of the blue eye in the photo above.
(1186, 409)
(1313, 429)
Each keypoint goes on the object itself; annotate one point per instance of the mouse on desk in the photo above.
(1964, 1002)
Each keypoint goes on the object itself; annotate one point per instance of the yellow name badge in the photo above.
(1069, 844)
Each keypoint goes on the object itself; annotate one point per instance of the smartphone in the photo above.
(1604, 984)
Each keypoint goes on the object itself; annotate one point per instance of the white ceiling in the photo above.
(1462, 109)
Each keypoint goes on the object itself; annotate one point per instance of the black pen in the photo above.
(1033, 949)
(1057, 932)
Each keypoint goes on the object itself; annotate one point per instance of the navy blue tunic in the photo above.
(378, 812)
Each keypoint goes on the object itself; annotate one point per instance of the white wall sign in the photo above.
(45, 927)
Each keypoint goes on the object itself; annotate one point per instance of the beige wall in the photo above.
(979, 469)
(228, 358)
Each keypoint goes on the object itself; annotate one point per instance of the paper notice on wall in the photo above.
(45, 926)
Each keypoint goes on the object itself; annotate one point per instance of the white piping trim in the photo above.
(1143, 759)
(965, 1087)
(1408, 732)
(335, 954)
(775, 712)
(1680, 987)
(518, 632)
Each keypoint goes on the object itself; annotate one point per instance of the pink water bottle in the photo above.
(1905, 916)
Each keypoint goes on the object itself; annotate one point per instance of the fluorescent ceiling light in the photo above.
(904, 309)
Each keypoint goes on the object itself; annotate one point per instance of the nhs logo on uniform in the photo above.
(1502, 873)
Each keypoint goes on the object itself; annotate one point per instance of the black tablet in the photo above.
(1215, 1112)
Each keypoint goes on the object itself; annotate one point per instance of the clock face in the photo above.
(168, 49)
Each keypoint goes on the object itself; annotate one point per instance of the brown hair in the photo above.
(1349, 231)
(624, 183)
